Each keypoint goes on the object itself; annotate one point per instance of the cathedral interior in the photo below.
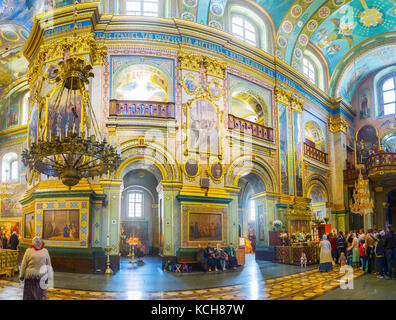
(170, 124)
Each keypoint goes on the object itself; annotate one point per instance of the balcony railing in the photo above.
(315, 153)
(147, 109)
(381, 163)
(251, 128)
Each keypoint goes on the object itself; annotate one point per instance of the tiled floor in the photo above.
(256, 280)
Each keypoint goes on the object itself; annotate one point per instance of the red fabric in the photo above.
(361, 252)
(333, 242)
(37, 249)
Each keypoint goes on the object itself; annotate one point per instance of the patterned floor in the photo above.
(299, 286)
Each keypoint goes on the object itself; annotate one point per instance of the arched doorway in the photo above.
(250, 214)
(391, 208)
(139, 210)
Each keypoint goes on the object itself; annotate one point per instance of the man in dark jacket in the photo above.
(380, 254)
(388, 246)
(14, 241)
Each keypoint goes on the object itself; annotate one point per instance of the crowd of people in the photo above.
(9, 242)
(217, 258)
(373, 251)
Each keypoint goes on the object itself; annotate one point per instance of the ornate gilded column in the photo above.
(337, 127)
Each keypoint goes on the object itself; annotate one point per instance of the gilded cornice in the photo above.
(190, 61)
(297, 104)
(215, 67)
(337, 124)
(55, 49)
(282, 95)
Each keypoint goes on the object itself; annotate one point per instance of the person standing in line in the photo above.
(380, 255)
(340, 244)
(389, 251)
(36, 266)
(325, 262)
(14, 241)
(333, 242)
(355, 251)
(370, 242)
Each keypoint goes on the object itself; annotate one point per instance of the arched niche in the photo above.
(141, 82)
(248, 104)
(314, 134)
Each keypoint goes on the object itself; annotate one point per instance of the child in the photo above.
(303, 260)
(342, 259)
(361, 253)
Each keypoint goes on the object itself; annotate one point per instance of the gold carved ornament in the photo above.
(55, 49)
(282, 95)
(337, 125)
(215, 67)
(190, 61)
(297, 104)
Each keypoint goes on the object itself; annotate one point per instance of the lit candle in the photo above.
(108, 240)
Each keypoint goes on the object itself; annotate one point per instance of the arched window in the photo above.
(135, 204)
(309, 70)
(243, 29)
(148, 8)
(10, 168)
(387, 88)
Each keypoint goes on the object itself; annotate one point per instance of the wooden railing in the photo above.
(381, 163)
(251, 128)
(147, 109)
(315, 153)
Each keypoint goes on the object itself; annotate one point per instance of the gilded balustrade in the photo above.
(147, 109)
(382, 163)
(315, 153)
(251, 128)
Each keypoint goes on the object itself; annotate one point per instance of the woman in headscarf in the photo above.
(325, 262)
(355, 251)
(36, 270)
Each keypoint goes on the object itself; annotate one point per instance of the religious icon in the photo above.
(366, 143)
(191, 167)
(203, 133)
(364, 104)
(215, 89)
(29, 226)
(190, 83)
(205, 227)
(13, 115)
(63, 225)
(216, 170)
(33, 124)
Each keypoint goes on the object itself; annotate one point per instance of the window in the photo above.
(244, 30)
(388, 95)
(309, 70)
(252, 211)
(10, 168)
(148, 8)
(135, 204)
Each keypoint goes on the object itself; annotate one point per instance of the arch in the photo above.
(388, 142)
(10, 167)
(314, 133)
(245, 165)
(318, 181)
(150, 153)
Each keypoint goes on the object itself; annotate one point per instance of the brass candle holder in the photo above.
(132, 246)
(108, 269)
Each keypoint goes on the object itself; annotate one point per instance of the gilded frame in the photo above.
(191, 92)
(191, 178)
(209, 171)
(215, 81)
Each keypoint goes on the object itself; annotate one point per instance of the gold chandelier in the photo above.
(363, 204)
(71, 146)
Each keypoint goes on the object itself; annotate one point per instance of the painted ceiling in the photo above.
(339, 29)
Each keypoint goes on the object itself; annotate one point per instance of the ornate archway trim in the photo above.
(316, 180)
